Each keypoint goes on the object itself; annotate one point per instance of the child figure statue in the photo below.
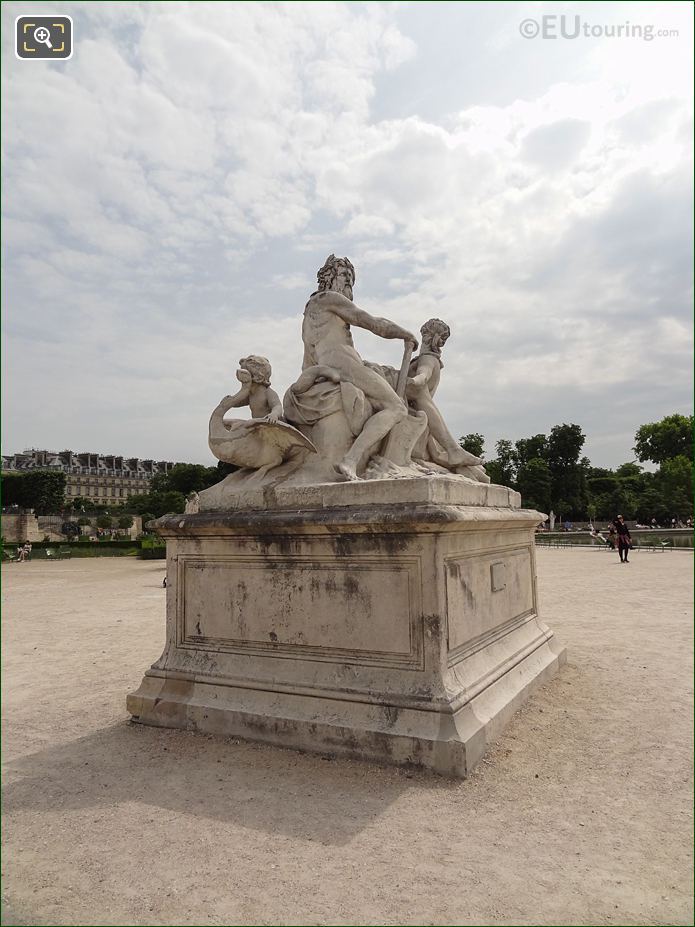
(437, 444)
(254, 375)
(263, 442)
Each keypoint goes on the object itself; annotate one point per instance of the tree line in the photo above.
(548, 470)
(551, 474)
(168, 491)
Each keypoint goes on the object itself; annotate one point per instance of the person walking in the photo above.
(624, 539)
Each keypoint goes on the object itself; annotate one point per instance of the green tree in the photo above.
(157, 504)
(651, 504)
(531, 448)
(496, 472)
(628, 470)
(668, 492)
(675, 481)
(603, 489)
(533, 481)
(502, 469)
(664, 440)
(601, 481)
(104, 521)
(185, 478)
(474, 443)
(622, 502)
(46, 491)
(146, 516)
(12, 489)
(125, 521)
(166, 502)
(40, 490)
(565, 443)
(139, 503)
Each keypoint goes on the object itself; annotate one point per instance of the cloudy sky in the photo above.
(171, 190)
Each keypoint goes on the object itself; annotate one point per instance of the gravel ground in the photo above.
(580, 814)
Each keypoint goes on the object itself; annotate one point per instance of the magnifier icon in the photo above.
(43, 36)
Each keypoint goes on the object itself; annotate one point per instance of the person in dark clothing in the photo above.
(624, 539)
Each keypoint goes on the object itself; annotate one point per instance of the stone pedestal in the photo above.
(402, 631)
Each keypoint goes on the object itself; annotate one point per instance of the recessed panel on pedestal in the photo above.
(364, 610)
(485, 591)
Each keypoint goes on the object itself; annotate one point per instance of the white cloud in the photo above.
(177, 183)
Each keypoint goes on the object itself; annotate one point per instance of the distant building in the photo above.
(101, 478)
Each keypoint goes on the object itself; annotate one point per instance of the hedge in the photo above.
(85, 542)
(145, 548)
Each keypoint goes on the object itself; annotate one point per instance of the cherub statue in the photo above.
(264, 441)
(254, 375)
(425, 372)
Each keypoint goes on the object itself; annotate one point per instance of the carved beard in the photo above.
(346, 290)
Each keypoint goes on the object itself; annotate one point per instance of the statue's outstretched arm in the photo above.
(353, 315)
(229, 402)
(237, 400)
(217, 423)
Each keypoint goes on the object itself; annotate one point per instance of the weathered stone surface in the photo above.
(442, 490)
(399, 631)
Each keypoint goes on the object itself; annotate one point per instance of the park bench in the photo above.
(62, 553)
(652, 548)
(558, 543)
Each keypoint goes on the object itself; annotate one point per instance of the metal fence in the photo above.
(592, 544)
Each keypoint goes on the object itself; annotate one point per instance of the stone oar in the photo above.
(403, 372)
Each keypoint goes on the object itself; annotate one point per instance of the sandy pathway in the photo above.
(580, 814)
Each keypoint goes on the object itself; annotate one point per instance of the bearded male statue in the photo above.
(330, 355)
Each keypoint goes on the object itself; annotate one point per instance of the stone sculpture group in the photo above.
(344, 418)
(356, 586)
